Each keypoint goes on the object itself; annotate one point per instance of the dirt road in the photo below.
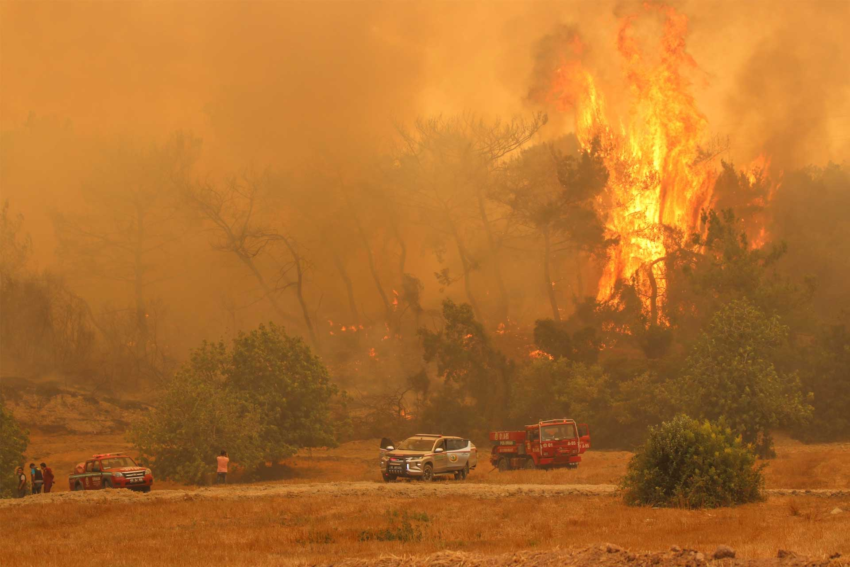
(376, 489)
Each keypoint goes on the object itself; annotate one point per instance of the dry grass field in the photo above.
(322, 518)
(797, 466)
(323, 528)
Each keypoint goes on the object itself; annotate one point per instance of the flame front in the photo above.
(659, 175)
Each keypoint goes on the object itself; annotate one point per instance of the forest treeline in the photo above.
(424, 276)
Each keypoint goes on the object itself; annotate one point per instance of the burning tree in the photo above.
(661, 173)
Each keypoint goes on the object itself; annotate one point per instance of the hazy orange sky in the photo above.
(273, 83)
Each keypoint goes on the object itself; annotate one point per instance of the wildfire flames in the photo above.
(659, 173)
(540, 354)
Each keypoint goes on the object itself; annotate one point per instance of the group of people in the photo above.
(41, 479)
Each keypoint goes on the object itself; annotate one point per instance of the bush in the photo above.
(692, 465)
(261, 401)
(195, 418)
(13, 443)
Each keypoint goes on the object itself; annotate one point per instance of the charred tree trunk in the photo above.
(494, 258)
(388, 309)
(349, 287)
(299, 292)
(467, 270)
(402, 255)
(579, 277)
(139, 287)
(547, 274)
(653, 291)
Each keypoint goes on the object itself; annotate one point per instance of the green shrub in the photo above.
(261, 400)
(13, 443)
(196, 416)
(690, 464)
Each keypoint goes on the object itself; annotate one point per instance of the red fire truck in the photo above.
(546, 444)
(111, 470)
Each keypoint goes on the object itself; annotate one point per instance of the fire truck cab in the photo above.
(546, 444)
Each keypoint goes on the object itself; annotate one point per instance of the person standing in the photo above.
(22, 483)
(221, 471)
(47, 473)
(37, 479)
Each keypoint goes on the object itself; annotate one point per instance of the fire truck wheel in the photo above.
(428, 473)
(529, 465)
(504, 464)
(146, 489)
(107, 484)
(78, 486)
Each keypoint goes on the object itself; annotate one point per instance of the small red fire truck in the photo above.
(111, 470)
(546, 444)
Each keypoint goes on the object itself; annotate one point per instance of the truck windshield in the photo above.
(117, 463)
(558, 432)
(416, 444)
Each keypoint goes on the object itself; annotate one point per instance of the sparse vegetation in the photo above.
(329, 528)
(685, 463)
(402, 528)
(13, 444)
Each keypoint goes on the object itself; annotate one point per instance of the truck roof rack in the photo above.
(427, 435)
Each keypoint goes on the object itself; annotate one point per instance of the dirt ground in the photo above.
(328, 507)
(325, 523)
(797, 466)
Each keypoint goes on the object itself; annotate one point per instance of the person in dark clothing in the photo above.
(37, 478)
(47, 473)
(22, 483)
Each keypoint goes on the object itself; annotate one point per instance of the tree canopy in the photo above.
(261, 400)
(731, 373)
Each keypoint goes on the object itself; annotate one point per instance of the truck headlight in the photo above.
(148, 472)
(117, 475)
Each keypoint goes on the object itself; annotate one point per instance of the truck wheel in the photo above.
(461, 475)
(529, 465)
(146, 489)
(107, 484)
(504, 464)
(389, 477)
(428, 473)
(78, 486)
